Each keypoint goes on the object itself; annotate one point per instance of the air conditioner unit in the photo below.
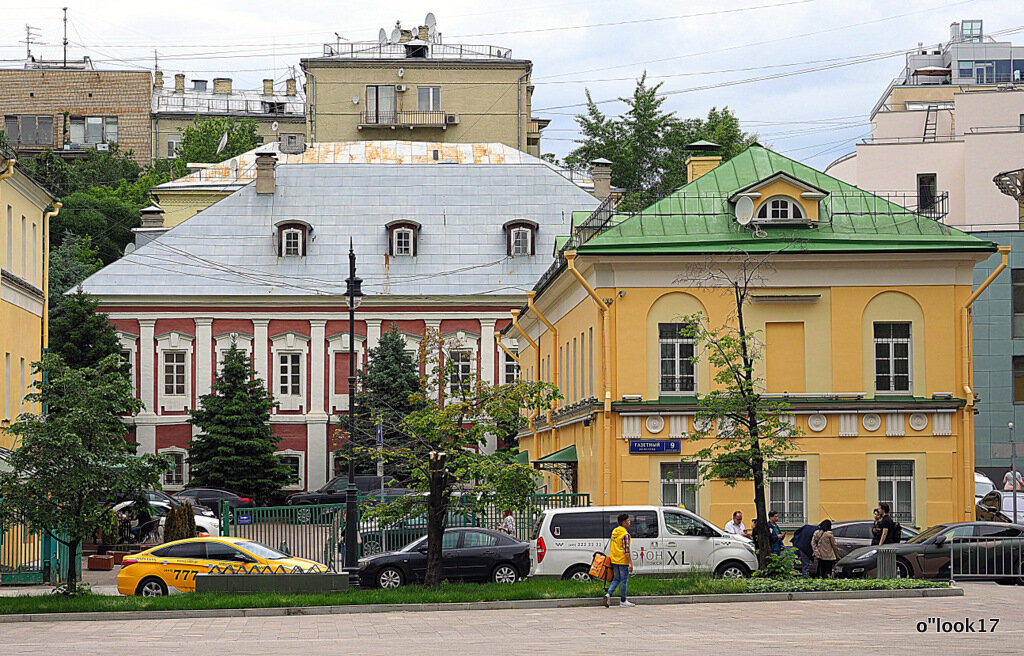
(401, 87)
(451, 119)
(102, 146)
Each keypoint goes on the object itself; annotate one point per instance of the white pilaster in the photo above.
(487, 350)
(145, 436)
(259, 348)
(147, 368)
(372, 333)
(316, 452)
(432, 325)
(204, 342)
(317, 331)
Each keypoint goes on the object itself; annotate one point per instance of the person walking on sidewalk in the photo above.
(823, 542)
(622, 562)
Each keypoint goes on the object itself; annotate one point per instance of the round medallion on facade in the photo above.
(655, 423)
(817, 422)
(871, 421)
(918, 421)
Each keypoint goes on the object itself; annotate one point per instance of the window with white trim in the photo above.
(174, 373)
(293, 460)
(402, 245)
(679, 482)
(892, 356)
(460, 363)
(520, 242)
(175, 476)
(290, 374)
(428, 99)
(173, 141)
(511, 369)
(291, 242)
(896, 487)
(676, 354)
(780, 209)
(787, 491)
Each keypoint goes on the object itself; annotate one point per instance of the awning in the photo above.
(523, 457)
(568, 454)
(932, 70)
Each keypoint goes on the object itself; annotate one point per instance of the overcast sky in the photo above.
(602, 45)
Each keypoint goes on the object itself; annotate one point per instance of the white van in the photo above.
(665, 541)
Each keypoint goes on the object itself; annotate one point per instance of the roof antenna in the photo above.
(65, 37)
(29, 40)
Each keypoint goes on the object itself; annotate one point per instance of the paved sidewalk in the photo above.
(839, 627)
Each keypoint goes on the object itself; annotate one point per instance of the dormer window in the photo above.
(293, 238)
(780, 209)
(402, 236)
(520, 237)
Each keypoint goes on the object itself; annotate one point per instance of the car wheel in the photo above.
(902, 569)
(732, 570)
(371, 547)
(579, 573)
(389, 577)
(151, 587)
(505, 573)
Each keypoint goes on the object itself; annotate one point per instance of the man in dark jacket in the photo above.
(802, 541)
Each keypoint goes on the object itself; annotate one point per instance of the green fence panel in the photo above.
(21, 555)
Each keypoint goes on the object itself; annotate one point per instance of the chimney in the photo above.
(152, 216)
(703, 157)
(222, 85)
(265, 163)
(601, 172)
(406, 36)
(158, 79)
(268, 87)
(179, 83)
(289, 86)
(424, 33)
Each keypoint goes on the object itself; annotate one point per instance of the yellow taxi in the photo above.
(152, 573)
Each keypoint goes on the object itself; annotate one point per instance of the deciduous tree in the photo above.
(199, 141)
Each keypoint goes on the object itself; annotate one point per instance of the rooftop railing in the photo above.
(375, 50)
(186, 104)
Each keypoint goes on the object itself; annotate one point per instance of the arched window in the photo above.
(780, 209)
(291, 242)
(402, 241)
(293, 237)
(520, 237)
(402, 238)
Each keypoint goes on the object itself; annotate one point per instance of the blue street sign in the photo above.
(380, 435)
(243, 518)
(655, 446)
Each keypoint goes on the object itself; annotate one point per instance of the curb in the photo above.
(520, 604)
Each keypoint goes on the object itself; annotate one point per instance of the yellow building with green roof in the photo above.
(864, 312)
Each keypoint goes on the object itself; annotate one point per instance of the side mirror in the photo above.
(422, 548)
(708, 532)
(939, 540)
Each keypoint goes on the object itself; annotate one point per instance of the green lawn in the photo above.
(447, 593)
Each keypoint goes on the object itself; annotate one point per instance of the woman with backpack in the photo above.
(823, 543)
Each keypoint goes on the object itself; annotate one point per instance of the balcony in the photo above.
(416, 119)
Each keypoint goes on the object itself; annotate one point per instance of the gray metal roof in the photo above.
(229, 248)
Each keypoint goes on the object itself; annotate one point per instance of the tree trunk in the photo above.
(437, 513)
(72, 584)
(762, 539)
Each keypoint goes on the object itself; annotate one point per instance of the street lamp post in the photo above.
(1013, 471)
(354, 294)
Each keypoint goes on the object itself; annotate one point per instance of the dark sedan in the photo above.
(468, 554)
(211, 498)
(927, 554)
(857, 533)
(335, 490)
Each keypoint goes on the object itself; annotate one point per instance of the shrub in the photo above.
(786, 565)
(180, 523)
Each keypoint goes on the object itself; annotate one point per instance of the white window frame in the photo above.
(464, 372)
(680, 483)
(892, 342)
(174, 366)
(521, 249)
(781, 474)
(678, 344)
(223, 345)
(129, 343)
(173, 141)
(185, 469)
(169, 342)
(289, 342)
(297, 234)
(338, 345)
(289, 374)
(510, 372)
(780, 209)
(292, 453)
(408, 249)
(892, 482)
(433, 99)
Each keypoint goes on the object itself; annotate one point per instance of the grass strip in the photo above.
(446, 593)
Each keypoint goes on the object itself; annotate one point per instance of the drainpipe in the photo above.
(554, 337)
(606, 442)
(497, 338)
(536, 350)
(966, 348)
(46, 274)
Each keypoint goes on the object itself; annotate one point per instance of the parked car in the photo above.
(204, 523)
(336, 489)
(468, 554)
(982, 486)
(161, 496)
(155, 571)
(211, 498)
(857, 533)
(927, 554)
(392, 537)
(665, 540)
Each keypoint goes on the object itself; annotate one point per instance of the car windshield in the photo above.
(927, 533)
(263, 551)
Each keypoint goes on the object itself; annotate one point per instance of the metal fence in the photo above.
(29, 556)
(316, 532)
(986, 558)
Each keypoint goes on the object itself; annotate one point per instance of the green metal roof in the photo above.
(698, 218)
(568, 454)
(523, 457)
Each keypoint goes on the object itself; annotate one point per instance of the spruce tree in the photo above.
(235, 449)
(80, 335)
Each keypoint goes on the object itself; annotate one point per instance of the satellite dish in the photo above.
(273, 126)
(223, 142)
(744, 211)
(382, 37)
(396, 35)
(401, 72)
(430, 22)
(129, 248)
(355, 98)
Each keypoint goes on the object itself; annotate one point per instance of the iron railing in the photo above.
(404, 119)
(189, 103)
(985, 558)
(907, 204)
(433, 50)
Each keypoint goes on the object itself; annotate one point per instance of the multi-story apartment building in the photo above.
(413, 86)
(279, 113)
(74, 107)
(949, 132)
(24, 248)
